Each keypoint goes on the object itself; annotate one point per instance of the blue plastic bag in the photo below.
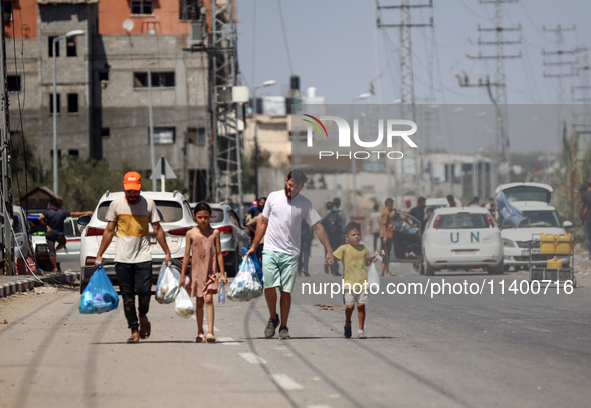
(257, 265)
(99, 296)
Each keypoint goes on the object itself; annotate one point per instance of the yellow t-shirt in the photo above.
(354, 260)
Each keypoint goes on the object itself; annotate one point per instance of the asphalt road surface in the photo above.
(487, 349)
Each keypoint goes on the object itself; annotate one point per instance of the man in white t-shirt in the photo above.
(130, 216)
(281, 225)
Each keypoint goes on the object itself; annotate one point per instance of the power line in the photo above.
(285, 37)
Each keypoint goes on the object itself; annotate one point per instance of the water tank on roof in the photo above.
(294, 81)
(311, 92)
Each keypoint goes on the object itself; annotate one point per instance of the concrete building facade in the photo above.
(102, 81)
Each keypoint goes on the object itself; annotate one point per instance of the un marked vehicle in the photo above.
(462, 238)
(533, 200)
(176, 220)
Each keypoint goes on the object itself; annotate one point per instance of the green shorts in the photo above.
(279, 270)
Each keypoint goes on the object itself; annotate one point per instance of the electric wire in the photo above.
(285, 37)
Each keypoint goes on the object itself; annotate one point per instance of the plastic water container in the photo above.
(222, 294)
(547, 243)
(554, 263)
(564, 247)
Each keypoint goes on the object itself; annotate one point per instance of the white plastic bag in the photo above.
(246, 284)
(168, 284)
(183, 305)
(373, 277)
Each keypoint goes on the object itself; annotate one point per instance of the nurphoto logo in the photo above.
(393, 128)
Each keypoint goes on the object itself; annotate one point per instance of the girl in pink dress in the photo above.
(204, 243)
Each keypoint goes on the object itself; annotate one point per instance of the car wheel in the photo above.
(429, 271)
(422, 268)
(232, 269)
(497, 270)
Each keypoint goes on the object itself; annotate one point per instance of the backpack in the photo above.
(332, 223)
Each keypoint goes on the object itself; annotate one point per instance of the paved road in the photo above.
(483, 350)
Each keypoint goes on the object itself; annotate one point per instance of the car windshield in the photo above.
(217, 216)
(527, 193)
(16, 224)
(463, 221)
(535, 219)
(169, 211)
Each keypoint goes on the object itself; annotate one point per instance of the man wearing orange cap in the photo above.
(130, 216)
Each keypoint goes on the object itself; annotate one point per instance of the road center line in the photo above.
(252, 358)
(286, 382)
(228, 341)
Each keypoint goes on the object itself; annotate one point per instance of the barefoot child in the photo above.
(355, 258)
(204, 242)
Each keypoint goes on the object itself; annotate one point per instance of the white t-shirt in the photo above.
(133, 228)
(284, 231)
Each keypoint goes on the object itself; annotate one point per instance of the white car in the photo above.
(435, 203)
(539, 218)
(462, 237)
(177, 219)
(533, 199)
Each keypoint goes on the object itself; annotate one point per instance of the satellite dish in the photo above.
(128, 25)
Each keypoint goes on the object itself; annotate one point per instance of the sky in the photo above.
(334, 46)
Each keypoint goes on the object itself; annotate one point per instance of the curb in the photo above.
(28, 283)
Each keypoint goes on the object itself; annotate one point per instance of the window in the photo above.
(103, 76)
(50, 46)
(7, 11)
(196, 135)
(189, 10)
(57, 108)
(73, 153)
(141, 7)
(105, 132)
(13, 83)
(159, 79)
(163, 135)
(71, 46)
(72, 103)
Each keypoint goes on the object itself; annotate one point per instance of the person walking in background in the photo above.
(281, 226)
(53, 219)
(418, 212)
(451, 201)
(333, 223)
(582, 216)
(355, 258)
(407, 205)
(374, 225)
(337, 207)
(203, 249)
(304, 258)
(386, 234)
(252, 225)
(329, 207)
(255, 209)
(131, 216)
(474, 202)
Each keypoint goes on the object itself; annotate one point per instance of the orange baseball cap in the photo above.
(132, 181)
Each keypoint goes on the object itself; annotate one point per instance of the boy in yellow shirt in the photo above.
(355, 258)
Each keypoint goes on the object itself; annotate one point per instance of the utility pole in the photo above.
(559, 62)
(5, 154)
(500, 83)
(225, 166)
(407, 88)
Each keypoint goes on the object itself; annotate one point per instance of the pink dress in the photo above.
(204, 264)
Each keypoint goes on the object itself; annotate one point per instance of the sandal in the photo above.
(210, 338)
(200, 339)
(135, 338)
(145, 330)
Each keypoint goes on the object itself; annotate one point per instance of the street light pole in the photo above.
(353, 159)
(256, 136)
(152, 159)
(54, 108)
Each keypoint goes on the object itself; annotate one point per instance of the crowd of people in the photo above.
(282, 227)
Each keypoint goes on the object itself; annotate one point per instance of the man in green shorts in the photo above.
(281, 225)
